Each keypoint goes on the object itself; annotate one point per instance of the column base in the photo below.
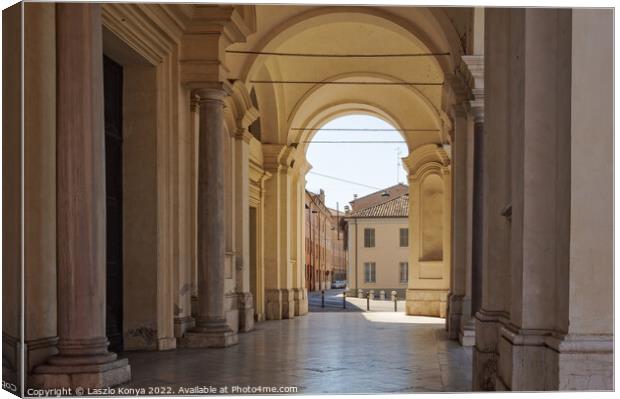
(288, 303)
(485, 358)
(426, 302)
(273, 304)
(301, 301)
(467, 335)
(182, 324)
(529, 361)
(455, 312)
(484, 372)
(70, 373)
(245, 304)
(217, 335)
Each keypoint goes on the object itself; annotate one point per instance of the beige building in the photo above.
(378, 245)
(158, 201)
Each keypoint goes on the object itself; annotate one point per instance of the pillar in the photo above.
(242, 233)
(12, 198)
(194, 126)
(211, 329)
(490, 228)
(279, 295)
(546, 322)
(429, 225)
(298, 253)
(458, 294)
(184, 213)
(83, 358)
(477, 215)
(474, 66)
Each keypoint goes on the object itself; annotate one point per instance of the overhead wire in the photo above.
(345, 82)
(344, 180)
(327, 55)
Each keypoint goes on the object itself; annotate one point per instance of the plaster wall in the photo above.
(387, 253)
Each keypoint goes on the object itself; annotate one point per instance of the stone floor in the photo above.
(327, 352)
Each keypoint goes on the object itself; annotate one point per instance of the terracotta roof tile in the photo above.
(397, 207)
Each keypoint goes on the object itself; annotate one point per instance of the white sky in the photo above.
(376, 165)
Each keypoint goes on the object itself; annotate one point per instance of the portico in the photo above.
(190, 230)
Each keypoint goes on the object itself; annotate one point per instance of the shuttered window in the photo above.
(370, 272)
(404, 237)
(369, 238)
(404, 272)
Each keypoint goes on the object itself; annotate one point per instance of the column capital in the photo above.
(194, 103)
(431, 156)
(473, 68)
(454, 90)
(243, 134)
(211, 91)
(278, 157)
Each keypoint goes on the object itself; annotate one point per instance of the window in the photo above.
(369, 238)
(404, 272)
(404, 237)
(370, 269)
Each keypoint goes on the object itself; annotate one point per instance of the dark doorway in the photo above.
(113, 110)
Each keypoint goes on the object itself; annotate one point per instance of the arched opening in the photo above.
(356, 206)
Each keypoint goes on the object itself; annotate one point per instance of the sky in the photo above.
(374, 165)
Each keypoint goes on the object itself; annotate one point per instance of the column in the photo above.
(279, 294)
(459, 223)
(475, 70)
(489, 227)
(242, 233)
(297, 211)
(477, 216)
(286, 272)
(211, 329)
(83, 358)
(194, 126)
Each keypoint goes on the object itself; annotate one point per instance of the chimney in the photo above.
(347, 209)
(322, 195)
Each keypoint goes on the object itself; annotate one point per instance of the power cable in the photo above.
(370, 83)
(345, 180)
(361, 129)
(354, 142)
(319, 55)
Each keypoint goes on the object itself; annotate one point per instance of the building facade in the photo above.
(378, 242)
(325, 249)
(158, 201)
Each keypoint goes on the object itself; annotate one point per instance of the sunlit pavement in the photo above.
(328, 352)
(333, 301)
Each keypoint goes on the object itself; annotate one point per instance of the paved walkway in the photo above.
(328, 352)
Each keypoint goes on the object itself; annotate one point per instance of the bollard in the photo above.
(368, 301)
(322, 298)
(395, 299)
(344, 299)
(382, 295)
(360, 293)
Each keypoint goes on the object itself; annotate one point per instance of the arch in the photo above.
(322, 103)
(379, 17)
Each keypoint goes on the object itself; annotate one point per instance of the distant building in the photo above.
(379, 197)
(326, 256)
(378, 244)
